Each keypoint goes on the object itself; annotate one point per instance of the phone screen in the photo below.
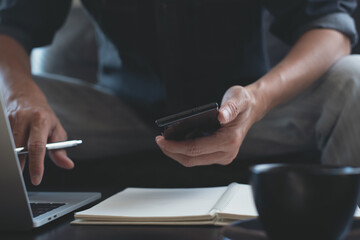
(193, 123)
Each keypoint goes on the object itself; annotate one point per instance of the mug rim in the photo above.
(268, 168)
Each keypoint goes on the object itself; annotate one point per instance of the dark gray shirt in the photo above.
(178, 53)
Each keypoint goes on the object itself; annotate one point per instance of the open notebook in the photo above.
(176, 206)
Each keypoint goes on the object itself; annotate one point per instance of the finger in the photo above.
(59, 157)
(217, 142)
(229, 111)
(234, 102)
(38, 136)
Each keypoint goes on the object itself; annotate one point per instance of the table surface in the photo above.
(61, 229)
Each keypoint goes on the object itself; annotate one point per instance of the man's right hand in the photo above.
(33, 125)
(32, 120)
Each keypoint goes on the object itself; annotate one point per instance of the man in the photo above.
(164, 56)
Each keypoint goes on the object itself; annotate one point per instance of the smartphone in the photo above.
(193, 123)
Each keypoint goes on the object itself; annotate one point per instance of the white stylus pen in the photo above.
(52, 146)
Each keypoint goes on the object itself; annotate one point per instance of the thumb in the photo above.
(232, 104)
(228, 112)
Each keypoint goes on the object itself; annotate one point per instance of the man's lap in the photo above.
(306, 122)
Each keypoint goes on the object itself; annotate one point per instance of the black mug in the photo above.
(305, 201)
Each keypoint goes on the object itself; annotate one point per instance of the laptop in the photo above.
(22, 210)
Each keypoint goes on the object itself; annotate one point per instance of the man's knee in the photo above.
(337, 129)
(342, 79)
(345, 70)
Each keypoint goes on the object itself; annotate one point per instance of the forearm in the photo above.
(306, 62)
(32, 121)
(15, 71)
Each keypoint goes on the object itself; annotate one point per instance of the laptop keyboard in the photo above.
(41, 208)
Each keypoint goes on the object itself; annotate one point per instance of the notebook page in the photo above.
(240, 203)
(135, 204)
(225, 199)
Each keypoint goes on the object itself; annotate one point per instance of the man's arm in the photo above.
(24, 25)
(310, 57)
(307, 61)
(32, 120)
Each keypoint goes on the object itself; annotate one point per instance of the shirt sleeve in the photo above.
(32, 23)
(293, 18)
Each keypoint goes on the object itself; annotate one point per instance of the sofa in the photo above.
(104, 158)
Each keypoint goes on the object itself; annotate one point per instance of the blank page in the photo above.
(142, 203)
(240, 204)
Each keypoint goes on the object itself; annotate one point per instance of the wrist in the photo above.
(20, 89)
(14, 85)
(261, 103)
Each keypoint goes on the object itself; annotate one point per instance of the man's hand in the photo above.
(237, 114)
(33, 125)
(308, 59)
(32, 120)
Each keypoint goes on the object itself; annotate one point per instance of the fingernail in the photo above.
(71, 165)
(226, 115)
(158, 140)
(36, 179)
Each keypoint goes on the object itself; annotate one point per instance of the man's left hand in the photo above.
(237, 114)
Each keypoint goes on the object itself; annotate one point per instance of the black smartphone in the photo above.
(193, 123)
